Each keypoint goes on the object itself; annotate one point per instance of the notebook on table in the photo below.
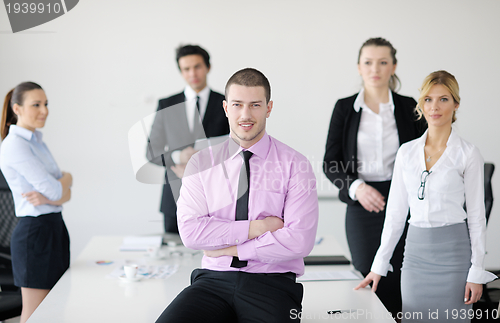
(326, 260)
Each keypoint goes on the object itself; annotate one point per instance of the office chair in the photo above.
(491, 296)
(489, 169)
(10, 295)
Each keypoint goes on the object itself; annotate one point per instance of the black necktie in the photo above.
(197, 119)
(242, 202)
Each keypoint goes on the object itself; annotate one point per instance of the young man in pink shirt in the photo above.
(251, 204)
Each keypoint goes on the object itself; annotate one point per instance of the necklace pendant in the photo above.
(428, 159)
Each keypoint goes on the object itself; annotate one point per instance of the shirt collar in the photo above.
(190, 94)
(360, 101)
(260, 148)
(453, 139)
(25, 133)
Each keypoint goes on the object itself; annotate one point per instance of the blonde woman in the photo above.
(434, 175)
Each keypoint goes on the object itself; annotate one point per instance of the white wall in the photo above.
(105, 63)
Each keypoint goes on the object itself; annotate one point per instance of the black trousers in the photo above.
(233, 296)
(363, 231)
(169, 209)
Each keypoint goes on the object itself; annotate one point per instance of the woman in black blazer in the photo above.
(365, 133)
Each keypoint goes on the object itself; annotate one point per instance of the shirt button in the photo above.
(237, 241)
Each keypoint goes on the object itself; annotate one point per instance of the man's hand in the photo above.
(370, 198)
(230, 251)
(186, 154)
(36, 198)
(273, 223)
(178, 170)
(259, 227)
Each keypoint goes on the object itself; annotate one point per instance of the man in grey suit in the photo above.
(181, 119)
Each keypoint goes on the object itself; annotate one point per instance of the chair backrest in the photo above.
(3, 183)
(489, 169)
(8, 219)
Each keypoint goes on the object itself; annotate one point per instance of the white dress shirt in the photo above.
(27, 166)
(457, 177)
(378, 142)
(191, 99)
(191, 95)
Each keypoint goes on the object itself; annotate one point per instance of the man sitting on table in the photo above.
(251, 204)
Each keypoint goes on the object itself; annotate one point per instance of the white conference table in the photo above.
(85, 293)
(323, 296)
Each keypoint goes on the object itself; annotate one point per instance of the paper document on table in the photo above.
(148, 272)
(329, 275)
(318, 240)
(134, 243)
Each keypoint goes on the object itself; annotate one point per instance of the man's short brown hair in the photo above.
(252, 78)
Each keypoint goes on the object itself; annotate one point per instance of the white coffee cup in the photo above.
(130, 271)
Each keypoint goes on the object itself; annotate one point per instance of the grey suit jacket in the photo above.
(170, 132)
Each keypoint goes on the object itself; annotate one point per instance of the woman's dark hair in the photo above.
(186, 50)
(16, 95)
(394, 82)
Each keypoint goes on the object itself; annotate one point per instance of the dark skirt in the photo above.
(363, 231)
(40, 251)
(435, 268)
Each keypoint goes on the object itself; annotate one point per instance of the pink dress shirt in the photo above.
(282, 184)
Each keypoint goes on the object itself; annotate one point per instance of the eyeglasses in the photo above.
(423, 179)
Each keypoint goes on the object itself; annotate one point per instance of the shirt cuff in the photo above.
(478, 275)
(378, 267)
(354, 186)
(176, 156)
(239, 232)
(247, 251)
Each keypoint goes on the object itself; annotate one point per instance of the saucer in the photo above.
(130, 280)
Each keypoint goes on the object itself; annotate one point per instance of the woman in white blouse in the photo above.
(434, 175)
(40, 241)
(365, 133)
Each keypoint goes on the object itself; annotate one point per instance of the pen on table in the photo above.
(340, 311)
(319, 240)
